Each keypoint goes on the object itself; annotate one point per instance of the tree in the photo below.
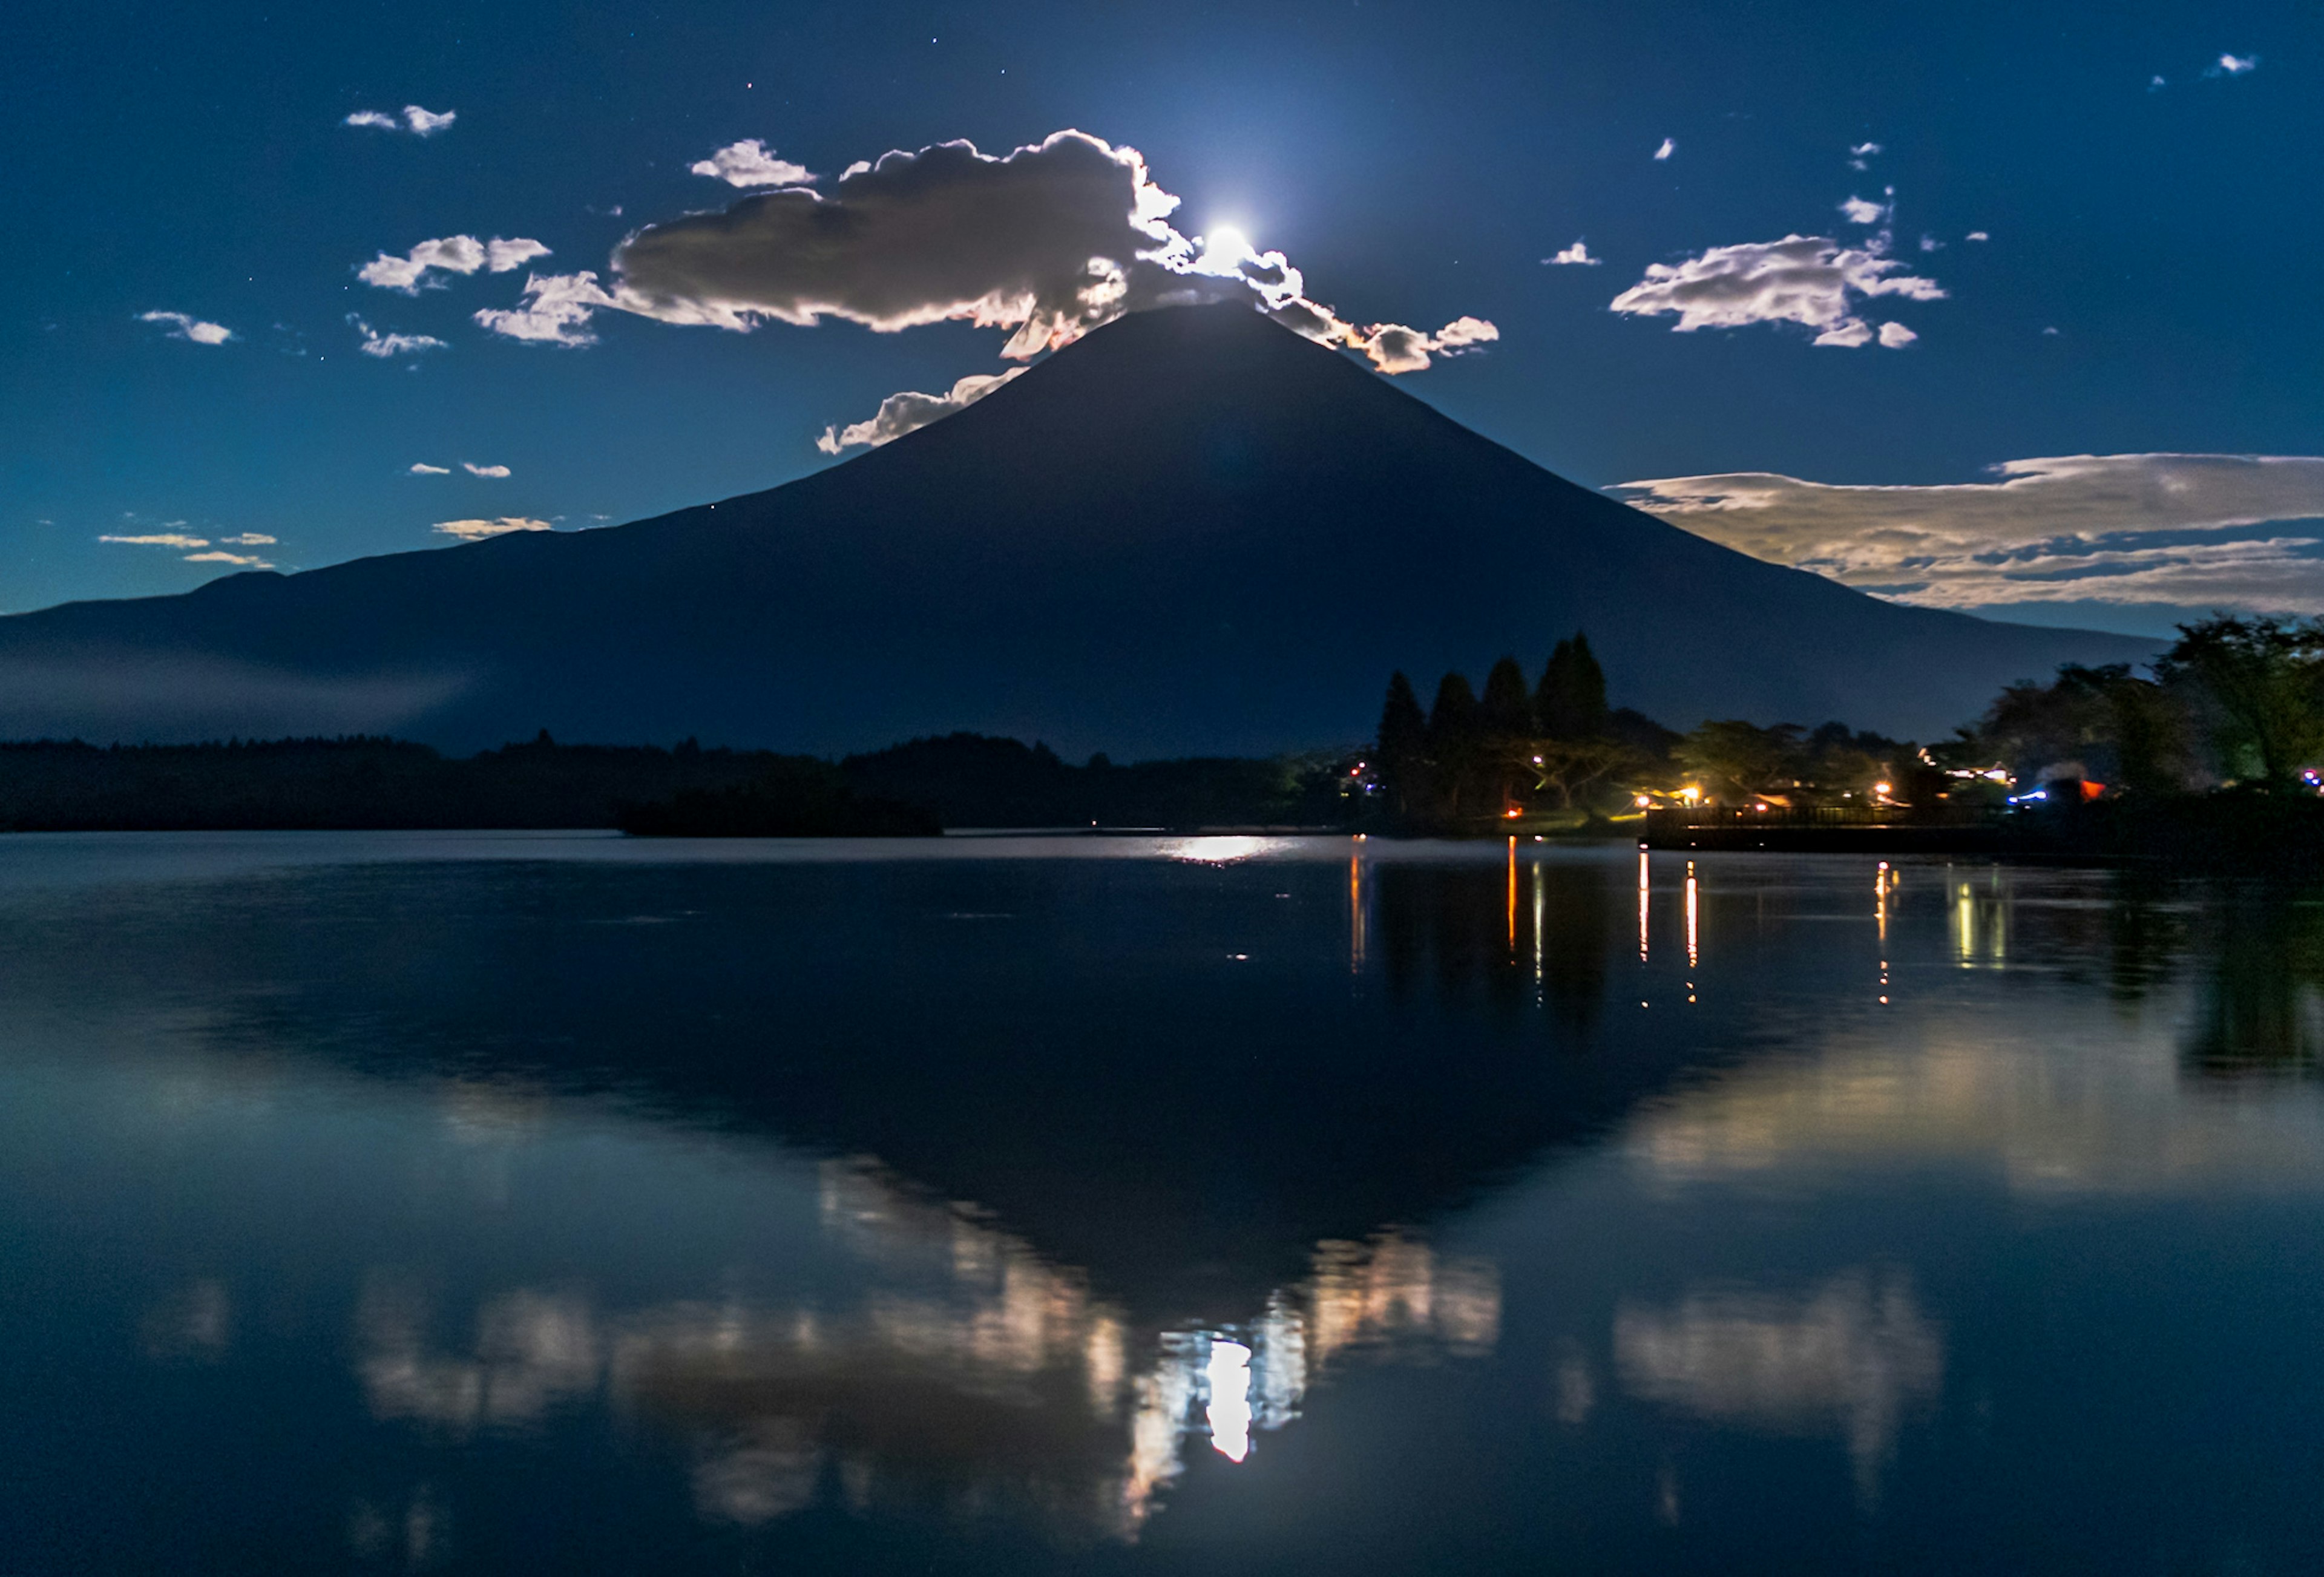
(1742, 758)
(1453, 743)
(2261, 681)
(1506, 711)
(1403, 741)
(1570, 702)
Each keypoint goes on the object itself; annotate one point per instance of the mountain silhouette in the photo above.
(1190, 532)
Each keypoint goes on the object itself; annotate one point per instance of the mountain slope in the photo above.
(1192, 532)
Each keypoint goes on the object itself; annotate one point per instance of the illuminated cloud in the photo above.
(181, 326)
(2234, 66)
(751, 164)
(2120, 529)
(1896, 336)
(1577, 253)
(422, 469)
(1977, 236)
(249, 540)
(460, 254)
(901, 413)
(1669, 147)
(1048, 242)
(1807, 280)
(247, 560)
(477, 530)
(159, 540)
(473, 469)
(1860, 212)
(418, 121)
(1859, 155)
(385, 345)
(501, 255)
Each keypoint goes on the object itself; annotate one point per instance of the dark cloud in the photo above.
(1047, 242)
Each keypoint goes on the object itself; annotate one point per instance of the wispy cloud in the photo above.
(2233, 66)
(375, 343)
(1577, 253)
(1806, 280)
(247, 560)
(159, 540)
(249, 540)
(422, 469)
(2119, 529)
(1977, 236)
(183, 327)
(1860, 212)
(473, 469)
(1669, 147)
(477, 530)
(460, 254)
(751, 164)
(1860, 157)
(417, 121)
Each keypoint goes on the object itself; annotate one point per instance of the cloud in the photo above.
(249, 540)
(1048, 242)
(1859, 155)
(1977, 236)
(422, 469)
(473, 469)
(501, 255)
(418, 121)
(1669, 147)
(1579, 252)
(181, 326)
(2157, 85)
(906, 412)
(2124, 528)
(1896, 336)
(375, 343)
(460, 254)
(2234, 66)
(159, 540)
(247, 560)
(1807, 280)
(477, 530)
(1860, 212)
(751, 164)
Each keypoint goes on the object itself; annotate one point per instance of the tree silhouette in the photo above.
(1402, 743)
(1570, 702)
(1453, 741)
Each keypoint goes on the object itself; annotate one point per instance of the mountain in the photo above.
(1190, 532)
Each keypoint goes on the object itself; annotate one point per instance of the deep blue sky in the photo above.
(1416, 160)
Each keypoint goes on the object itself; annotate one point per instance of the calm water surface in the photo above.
(561, 1204)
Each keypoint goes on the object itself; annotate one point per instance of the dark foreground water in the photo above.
(566, 1204)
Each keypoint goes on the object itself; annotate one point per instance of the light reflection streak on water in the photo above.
(1540, 913)
(1228, 1381)
(1513, 897)
(1694, 953)
(1646, 898)
(1220, 850)
(1980, 924)
(1356, 910)
(1882, 885)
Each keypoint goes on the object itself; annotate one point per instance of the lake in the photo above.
(568, 1203)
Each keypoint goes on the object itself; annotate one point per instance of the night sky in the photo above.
(1853, 246)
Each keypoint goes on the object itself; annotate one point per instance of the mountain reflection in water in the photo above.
(1371, 1206)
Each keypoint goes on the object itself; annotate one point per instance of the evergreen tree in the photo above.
(1571, 703)
(1506, 712)
(1453, 746)
(1403, 741)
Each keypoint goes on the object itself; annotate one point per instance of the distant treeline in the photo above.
(379, 783)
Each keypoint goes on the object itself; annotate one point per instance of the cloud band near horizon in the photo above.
(2130, 530)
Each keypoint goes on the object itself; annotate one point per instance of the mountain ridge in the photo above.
(1189, 532)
